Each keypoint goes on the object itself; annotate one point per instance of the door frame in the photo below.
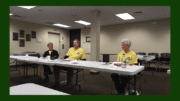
(59, 40)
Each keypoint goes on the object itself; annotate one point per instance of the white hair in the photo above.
(49, 43)
(127, 41)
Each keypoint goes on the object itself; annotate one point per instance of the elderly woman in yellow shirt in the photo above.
(131, 56)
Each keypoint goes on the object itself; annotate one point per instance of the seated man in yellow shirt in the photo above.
(131, 56)
(75, 53)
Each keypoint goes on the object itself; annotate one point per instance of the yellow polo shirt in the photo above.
(130, 56)
(76, 54)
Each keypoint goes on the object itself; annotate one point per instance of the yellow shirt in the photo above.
(76, 54)
(50, 52)
(130, 56)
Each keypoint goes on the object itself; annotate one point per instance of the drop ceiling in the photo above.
(47, 15)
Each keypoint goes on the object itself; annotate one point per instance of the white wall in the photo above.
(144, 37)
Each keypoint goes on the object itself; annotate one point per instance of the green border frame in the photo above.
(5, 47)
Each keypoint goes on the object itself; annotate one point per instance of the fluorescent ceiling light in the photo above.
(61, 25)
(82, 22)
(27, 7)
(10, 14)
(125, 16)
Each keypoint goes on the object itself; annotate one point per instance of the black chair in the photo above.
(12, 64)
(154, 61)
(142, 62)
(164, 60)
(35, 54)
(142, 53)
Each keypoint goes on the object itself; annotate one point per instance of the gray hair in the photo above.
(77, 40)
(49, 43)
(127, 41)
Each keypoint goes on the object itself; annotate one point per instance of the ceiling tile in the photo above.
(68, 14)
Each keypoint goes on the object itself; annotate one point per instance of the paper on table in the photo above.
(74, 61)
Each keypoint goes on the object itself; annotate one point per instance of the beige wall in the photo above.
(144, 37)
(41, 32)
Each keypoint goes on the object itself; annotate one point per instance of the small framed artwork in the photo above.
(88, 39)
(21, 33)
(15, 36)
(62, 46)
(33, 34)
(28, 37)
(21, 42)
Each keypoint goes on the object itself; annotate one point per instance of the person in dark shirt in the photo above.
(53, 55)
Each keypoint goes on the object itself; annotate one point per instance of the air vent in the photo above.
(40, 10)
(138, 12)
(49, 23)
(17, 16)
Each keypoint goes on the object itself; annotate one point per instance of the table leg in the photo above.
(34, 69)
(129, 86)
(134, 84)
(24, 68)
(24, 73)
(15, 67)
(77, 77)
(16, 64)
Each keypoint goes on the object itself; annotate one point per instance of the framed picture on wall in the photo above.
(33, 34)
(15, 36)
(88, 39)
(21, 42)
(62, 46)
(28, 37)
(21, 33)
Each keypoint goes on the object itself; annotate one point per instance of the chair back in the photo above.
(156, 55)
(142, 53)
(165, 57)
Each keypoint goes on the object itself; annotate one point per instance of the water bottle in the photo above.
(123, 61)
(26, 56)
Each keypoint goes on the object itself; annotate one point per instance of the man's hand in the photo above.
(61, 57)
(133, 64)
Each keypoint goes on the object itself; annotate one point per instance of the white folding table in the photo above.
(99, 66)
(168, 71)
(34, 60)
(102, 66)
(33, 89)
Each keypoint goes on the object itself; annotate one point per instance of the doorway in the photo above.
(75, 34)
(55, 39)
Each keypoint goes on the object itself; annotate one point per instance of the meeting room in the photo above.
(89, 50)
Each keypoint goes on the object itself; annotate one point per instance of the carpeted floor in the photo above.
(101, 84)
